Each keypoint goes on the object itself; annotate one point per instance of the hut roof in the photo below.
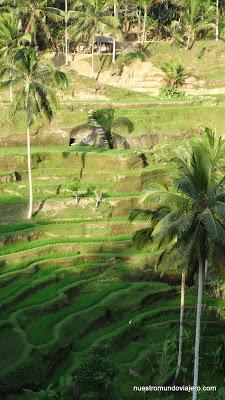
(103, 39)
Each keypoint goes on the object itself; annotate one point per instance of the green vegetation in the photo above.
(188, 225)
(71, 283)
(102, 291)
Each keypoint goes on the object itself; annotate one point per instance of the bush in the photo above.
(97, 373)
(171, 93)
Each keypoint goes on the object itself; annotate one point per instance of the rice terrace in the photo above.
(112, 200)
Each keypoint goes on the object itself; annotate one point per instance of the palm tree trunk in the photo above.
(217, 20)
(66, 32)
(114, 51)
(144, 27)
(198, 328)
(35, 39)
(115, 9)
(114, 39)
(10, 89)
(188, 42)
(92, 58)
(139, 22)
(125, 17)
(181, 335)
(206, 269)
(29, 215)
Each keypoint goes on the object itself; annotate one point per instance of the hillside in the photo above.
(76, 278)
(71, 278)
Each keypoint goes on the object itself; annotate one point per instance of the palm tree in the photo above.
(92, 21)
(167, 257)
(35, 12)
(190, 220)
(195, 22)
(144, 5)
(66, 31)
(11, 36)
(66, 15)
(175, 74)
(217, 20)
(8, 68)
(35, 95)
(106, 118)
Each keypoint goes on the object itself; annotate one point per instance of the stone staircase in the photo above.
(99, 128)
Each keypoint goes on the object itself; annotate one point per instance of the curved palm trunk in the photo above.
(198, 328)
(217, 20)
(29, 215)
(181, 335)
(66, 32)
(188, 41)
(144, 27)
(92, 58)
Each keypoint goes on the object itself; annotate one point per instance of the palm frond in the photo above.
(209, 223)
(140, 213)
(142, 237)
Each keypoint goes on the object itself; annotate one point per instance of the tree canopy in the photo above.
(185, 21)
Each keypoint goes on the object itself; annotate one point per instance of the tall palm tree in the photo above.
(35, 95)
(168, 256)
(66, 31)
(11, 36)
(92, 21)
(35, 14)
(66, 15)
(115, 14)
(144, 5)
(190, 220)
(195, 22)
(217, 20)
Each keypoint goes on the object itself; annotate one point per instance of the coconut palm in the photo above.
(106, 118)
(35, 15)
(172, 255)
(92, 21)
(190, 220)
(144, 5)
(195, 22)
(8, 68)
(11, 36)
(217, 20)
(35, 95)
(66, 15)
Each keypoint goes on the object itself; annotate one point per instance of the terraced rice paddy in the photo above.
(72, 278)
